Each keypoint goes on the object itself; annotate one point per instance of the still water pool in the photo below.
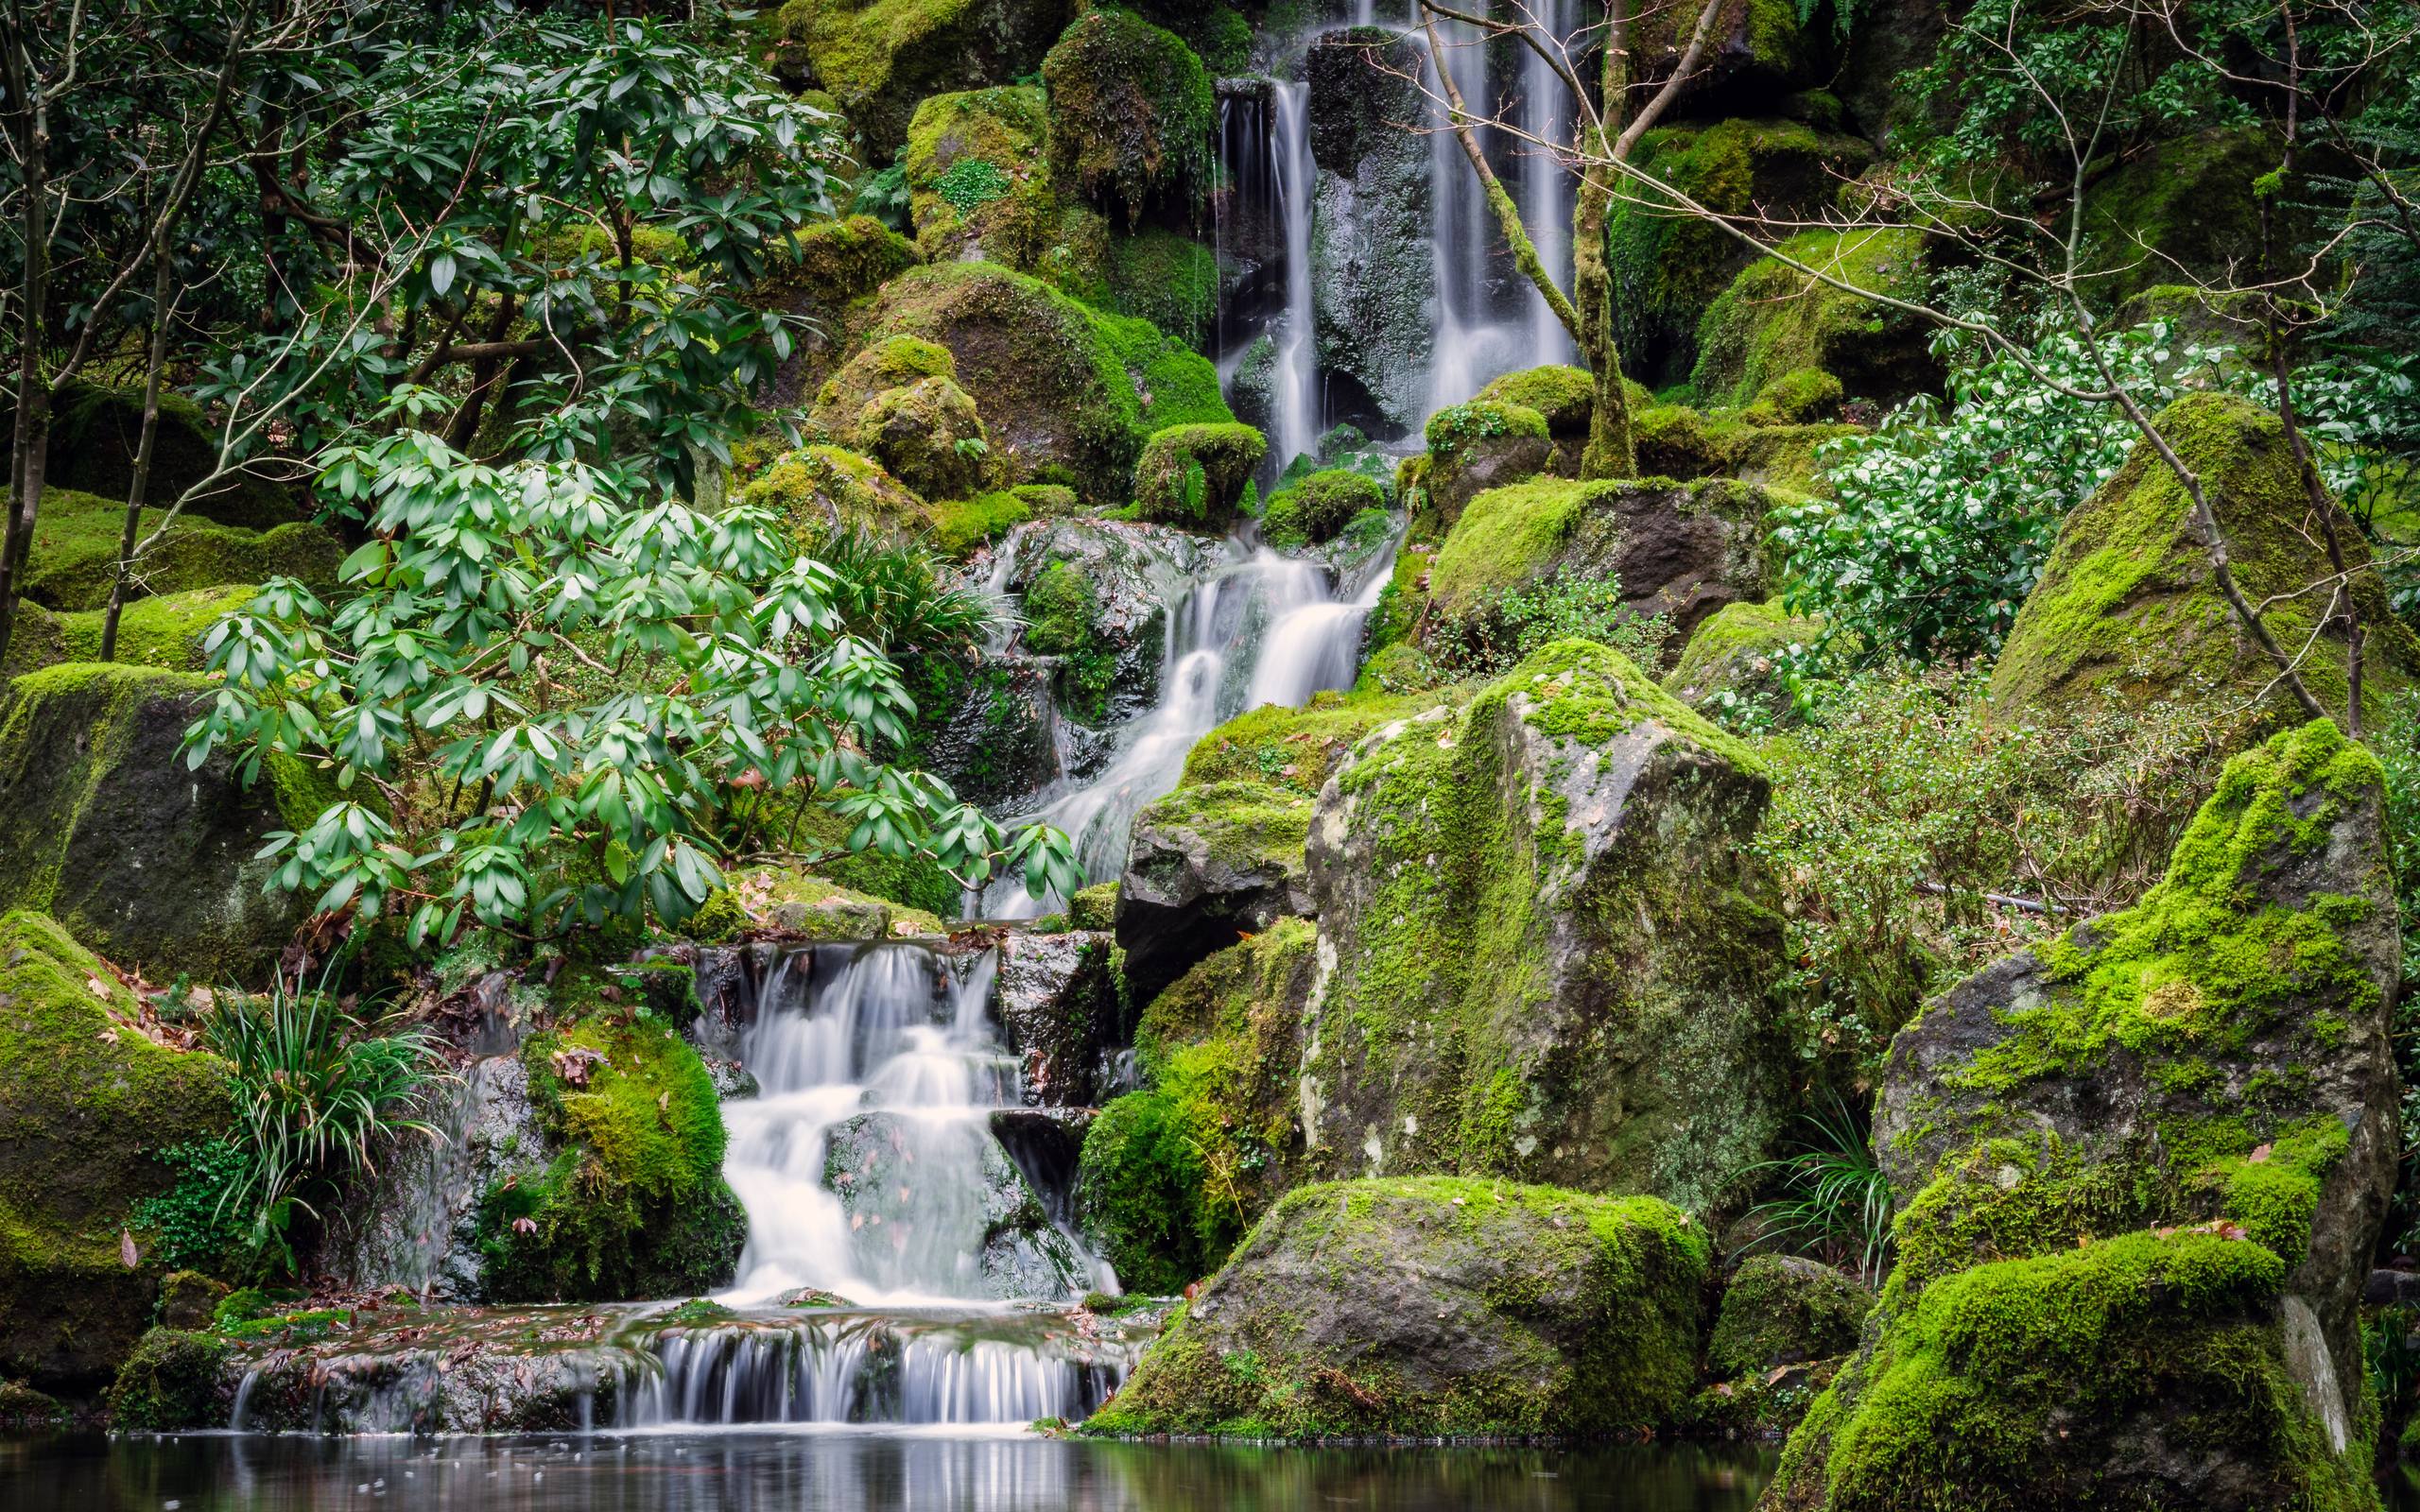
(850, 1471)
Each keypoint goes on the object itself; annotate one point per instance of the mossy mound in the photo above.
(879, 58)
(1775, 320)
(1730, 668)
(1668, 267)
(819, 490)
(980, 182)
(1295, 748)
(1206, 864)
(104, 826)
(1166, 278)
(95, 430)
(73, 558)
(633, 1203)
(1067, 394)
(1426, 1306)
(893, 362)
(2126, 607)
(2188, 207)
(1131, 115)
(963, 527)
(827, 264)
(2141, 1174)
(163, 631)
(1553, 949)
(1172, 1176)
(87, 1102)
(1751, 446)
(1194, 474)
(1474, 447)
(174, 1379)
(1781, 1309)
(929, 436)
(1316, 509)
(1565, 396)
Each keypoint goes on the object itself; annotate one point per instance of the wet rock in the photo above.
(189, 1299)
(1057, 1002)
(1553, 949)
(1207, 864)
(1430, 1305)
(917, 1222)
(994, 738)
(1373, 284)
(1047, 1145)
(1131, 574)
(2141, 1173)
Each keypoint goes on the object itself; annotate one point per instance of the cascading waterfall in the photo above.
(1296, 395)
(1545, 191)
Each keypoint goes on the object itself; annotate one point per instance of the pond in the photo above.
(851, 1471)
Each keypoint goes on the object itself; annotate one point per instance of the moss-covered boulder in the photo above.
(88, 1102)
(1131, 115)
(1757, 49)
(1679, 550)
(1474, 447)
(825, 265)
(879, 58)
(104, 826)
(2141, 1173)
(1668, 267)
(928, 436)
(986, 724)
(1775, 320)
(1068, 393)
(1296, 750)
(1194, 474)
(876, 368)
(1731, 669)
(95, 430)
(1565, 397)
(979, 175)
(2184, 207)
(2127, 608)
(1554, 951)
(1374, 284)
(1204, 864)
(173, 1379)
(823, 488)
(1782, 1309)
(1315, 509)
(1433, 1306)
(73, 557)
(631, 1202)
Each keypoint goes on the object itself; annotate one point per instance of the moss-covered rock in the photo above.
(1095, 595)
(1553, 949)
(1668, 267)
(1681, 550)
(1194, 474)
(1775, 320)
(1474, 447)
(1757, 49)
(173, 1380)
(1067, 394)
(964, 526)
(2186, 208)
(822, 488)
(1166, 278)
(1057, 999)
(1433, 1305)
(1315, 509)
(986, 724)
(1131, 115)
(95, 430)
(104, 826)
(1205, 864)
(73, 558)
(825, 266)
(631, 1202)
(929, 436)
(2141, 1173)
(879, 58)
(873, 903)
(892, 362)
(2127, 608)
(1731, 666)
(1295, 749)
(979, 175)
(1799, 397)
(87, 1102)
(1374, 284)
(1093, 907)
(1781, 1309)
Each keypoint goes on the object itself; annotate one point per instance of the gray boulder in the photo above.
(1057, 1002)
(1206, 864)
(916, 1223)
(1134, 572)
(1374, 288)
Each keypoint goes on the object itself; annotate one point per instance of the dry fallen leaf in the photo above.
(2260, 1154)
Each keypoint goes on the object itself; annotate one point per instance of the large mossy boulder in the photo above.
(1427, 1306)
(1734, 669)
(1206, 864)
(153, 863)
(1554, 950)
(1667, 268)
(879, 57)
(1679, 550)
(1131, 116)
(822, 489)
(95, 431)
(825, 265)
(1068, 393)
(1472, 448)
(979, 175)
(73, 557)
(1775, 320)
(1785, 1309)
(2141, 1173)
(88, 1102)
(2128, 609)
(1194, 475)
(1373, 284)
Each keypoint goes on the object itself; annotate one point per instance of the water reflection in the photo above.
(809, 1472)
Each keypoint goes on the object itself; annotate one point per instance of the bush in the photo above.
(1317, 509)
(1194, 474)
(1492, 629)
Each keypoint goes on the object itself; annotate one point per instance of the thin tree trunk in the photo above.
(154, 371)
(30, 444)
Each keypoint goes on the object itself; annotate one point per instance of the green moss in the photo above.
(1796, 398)
(819, 490)
(95, 430)
(1584, 1318)
(1131, 114)
(1316, 509)
(961, 526)
(73, 557)
(1731, 662)
(1061, 613)
(1295, 748)
(633, 1203)
(1247, 825)
(1775, 320)
(1779, 1310)
(825, 266)
(1166, 278)
(1093, 907)
(1565, 396)
(2126, 607)
(87, 1104)
(1507, 535)
(2184, 205)
(172, 1380)
(1194, 474)
(163, 631)
(1453, 428)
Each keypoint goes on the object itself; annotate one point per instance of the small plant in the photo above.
(1491, 634)
(972, 184)
(1834, 1201)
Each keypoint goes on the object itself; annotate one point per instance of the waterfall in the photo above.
(1295, 393)
(868, 1164)
(1544, 190)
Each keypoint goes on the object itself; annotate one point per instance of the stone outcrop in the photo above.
(1427, 1306)
(991, 1236)
(1206, 865)
(1057, 1001)
(2141, 1173)
(1372, 281)
(1552, 950)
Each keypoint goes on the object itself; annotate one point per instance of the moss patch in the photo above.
(1773, 320)
(73, 558)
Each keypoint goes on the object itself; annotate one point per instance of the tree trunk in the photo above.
(1612, 451)
(154, 371)
(30, 444)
